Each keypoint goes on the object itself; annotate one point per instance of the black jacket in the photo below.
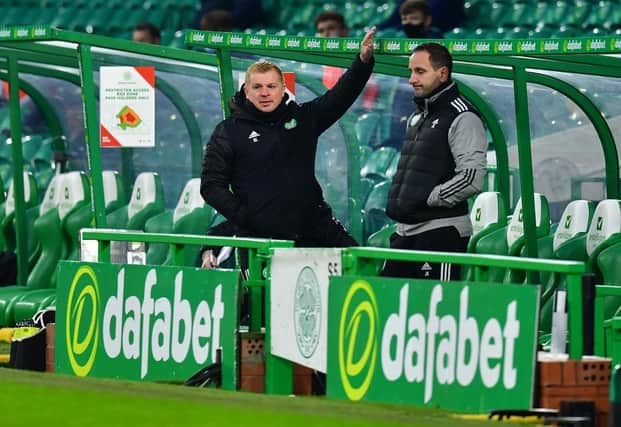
(259, 168)
(426, 159)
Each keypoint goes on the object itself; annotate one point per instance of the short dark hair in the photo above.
(439, 56)
(217, 20)
(152, 29)
(330, 15)
(410, 6)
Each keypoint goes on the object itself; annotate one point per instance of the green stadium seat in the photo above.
(147, 200)
(378, 162)
(366, 128)
(500, 13)
(160, 223)
(47, 218)
(114, 193)
(374, 212)
(509, 240)
(31, 199)
(191, 216)
(567, 243)
(58, 234)
(391, 170)
(477, 12)
(487, 215)
(515, 233)
(381, 238)
(604, 232)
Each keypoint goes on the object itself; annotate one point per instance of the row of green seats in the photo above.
(544, 31)
(525, 13)
(67, 209)
(106, 19)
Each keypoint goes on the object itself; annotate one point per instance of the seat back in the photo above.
(189, 200)
(487, 214)
(515, 230)
(606, 225)
(31, 196)
(114, 193)
(75, 210)
(147, 200)
(509, 239)
(374, 214)
(378, 162)
(51, 198)
(381, 238)
(574, 221)
(31, 200)
(191, 216)
(568, 243)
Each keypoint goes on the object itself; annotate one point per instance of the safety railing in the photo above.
(258, 254)
(368, 261)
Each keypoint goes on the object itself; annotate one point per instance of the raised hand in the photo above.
(366, 46)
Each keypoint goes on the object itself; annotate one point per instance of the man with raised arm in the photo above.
(259, 165)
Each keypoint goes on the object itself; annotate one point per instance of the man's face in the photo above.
(423, 78)
(330, 28)
(265, 90)
(143, 36)
(415, 18)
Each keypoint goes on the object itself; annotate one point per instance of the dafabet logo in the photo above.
(82, 325)
(359, 315)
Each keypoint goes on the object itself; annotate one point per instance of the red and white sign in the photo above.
(127, 106)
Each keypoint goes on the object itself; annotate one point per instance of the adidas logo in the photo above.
(459, 105)
(254, 136)
(426, 268)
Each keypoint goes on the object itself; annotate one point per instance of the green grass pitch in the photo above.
(32, 398)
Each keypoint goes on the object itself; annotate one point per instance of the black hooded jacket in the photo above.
(259, 168)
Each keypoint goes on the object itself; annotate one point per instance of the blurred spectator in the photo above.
(447, 14)
(246, 13)
(146, 32)
(217, 20)
(416, 20)
(331, 23)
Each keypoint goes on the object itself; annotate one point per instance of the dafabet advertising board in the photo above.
(459, 346)
(142, 322)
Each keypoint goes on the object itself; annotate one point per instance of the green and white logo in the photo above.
(81, 326)
(568, 221)
(291, 124)
(307, 312)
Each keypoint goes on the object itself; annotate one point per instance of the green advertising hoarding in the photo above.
(142, 322)
(461, 346)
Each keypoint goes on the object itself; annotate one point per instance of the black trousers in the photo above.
(325, 232)
(445, 239)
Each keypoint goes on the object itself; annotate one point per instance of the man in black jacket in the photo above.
(259, 165)
(442, 164)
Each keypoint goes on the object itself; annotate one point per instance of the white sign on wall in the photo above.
(127, 106)
(299, 303)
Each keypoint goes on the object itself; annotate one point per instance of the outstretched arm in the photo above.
(329, 107)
